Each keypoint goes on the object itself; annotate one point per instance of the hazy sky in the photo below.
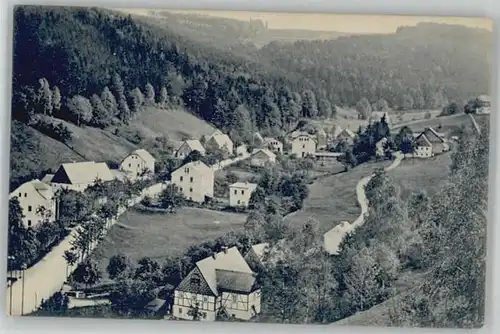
(335, 22)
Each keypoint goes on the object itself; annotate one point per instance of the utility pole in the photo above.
(22, 297)
(11, 281)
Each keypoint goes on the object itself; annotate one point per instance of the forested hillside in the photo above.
(83, 51)
(415, 68)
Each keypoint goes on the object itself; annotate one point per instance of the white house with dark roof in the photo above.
(221, 284)
(240, 193)
(273, 144)
(430, 142)
(303, 144)
(261, 157)
(37, 201)
(484, 104)
(137, 163)
(78, 176)
(220, 141)
(195, 181)
(189, 146)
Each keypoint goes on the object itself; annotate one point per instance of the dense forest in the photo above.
(82, 51)
(415, 68)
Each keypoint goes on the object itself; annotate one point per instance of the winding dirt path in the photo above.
(334, 237)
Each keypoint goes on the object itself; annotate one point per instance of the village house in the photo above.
(78, 176)
(138, 163)
(334, 237)
(240, 192)
(430, 143)
(222, 284)
(345, 135)
(37, 201)
(303, 144)
(262, 157)
(484, 104)
(195, 181)
(189, 146)
(255, 256)
(273, 144)
(220, 141)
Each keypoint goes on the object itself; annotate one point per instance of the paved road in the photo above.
(476, 126)
(334, 237)
(48, 275)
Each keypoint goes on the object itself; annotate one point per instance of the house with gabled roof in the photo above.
(137, 163)
(240, 193)
(195, 180)
(189, 146)
(37, 202)
(78, 176)
(220, 141)
(430, 137)
(273, 144)
(303, 144)
(261, 157)
(346, 135)
(219, 285)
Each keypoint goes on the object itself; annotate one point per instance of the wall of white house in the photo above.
(183, 301)
(193, 183)
(303, 146)
(30, 202)
(239, 197)
(134, 166)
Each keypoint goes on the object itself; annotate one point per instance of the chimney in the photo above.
(224, 248)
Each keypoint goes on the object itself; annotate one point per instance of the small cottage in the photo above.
(240, 193)
(189, 146)
(78, 176)
(262, 157)
(138, 163)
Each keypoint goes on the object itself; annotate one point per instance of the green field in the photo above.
(422, 174)
(139, 234)
(445, 124)
(177, 124)
(333, 199)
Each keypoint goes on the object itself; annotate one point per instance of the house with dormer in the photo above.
(222, 284)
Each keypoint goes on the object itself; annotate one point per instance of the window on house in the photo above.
(182, 178)
(190, 190)
(130, 165)
(25, 194)
(205, 299)
(29, 222)
(195, 279)
(29, 208)
(186, 170)
(236, 192)
(238, 201)
(303, 146)
(180, 310)
(20, 195)
(180, 189)
(235, 298)
(204, 315)
(191, 179)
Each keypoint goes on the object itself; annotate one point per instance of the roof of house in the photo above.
(229, 280)
(194, 164)
(144, 155)
(244, 185)
(86, 172)
(432, 135)
(229, 260)
(155, 305)
(423, 141)
(265, 151)
(260, 249)
(334, 237)
(47, 178)
(297, 134)
(194, 145)
(221, 139)
(348, 132)
(43, 189)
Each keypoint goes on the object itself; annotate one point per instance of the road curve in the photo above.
(334, 237)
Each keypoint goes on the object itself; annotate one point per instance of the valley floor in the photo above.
(157, 235)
